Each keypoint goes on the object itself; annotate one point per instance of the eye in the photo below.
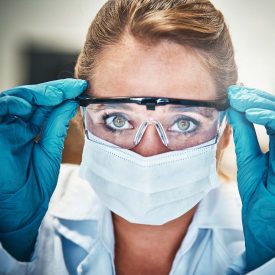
(184, 125)
(118, 122)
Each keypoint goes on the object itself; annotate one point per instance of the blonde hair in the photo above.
(194, 23)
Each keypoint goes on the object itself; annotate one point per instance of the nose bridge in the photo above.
(150, 141)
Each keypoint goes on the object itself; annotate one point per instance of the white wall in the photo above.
(252, 25)
(53, 23)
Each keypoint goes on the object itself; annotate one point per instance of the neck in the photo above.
(148, 245)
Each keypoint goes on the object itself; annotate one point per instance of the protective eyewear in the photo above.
(180, 123)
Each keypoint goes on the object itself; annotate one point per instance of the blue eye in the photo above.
(117, 122)
(184, 125)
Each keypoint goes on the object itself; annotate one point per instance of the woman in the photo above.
(154, 118)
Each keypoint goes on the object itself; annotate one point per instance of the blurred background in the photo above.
(40, 40)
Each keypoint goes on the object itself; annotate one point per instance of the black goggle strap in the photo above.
(152, 102)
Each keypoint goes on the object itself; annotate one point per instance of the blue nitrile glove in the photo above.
(256, 171)
(29, 169)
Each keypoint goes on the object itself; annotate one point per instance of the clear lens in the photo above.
(123, 124)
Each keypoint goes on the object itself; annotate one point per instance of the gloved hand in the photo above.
(256, 170)
(29, 168)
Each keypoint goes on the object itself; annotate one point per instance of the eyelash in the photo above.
(196, 122)
(105, 116)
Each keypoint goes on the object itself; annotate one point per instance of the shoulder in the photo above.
(73, 206)
(220, 213)
(221, 208)
(68, 180)
(228, 230)
(74, 198)
(68, 175)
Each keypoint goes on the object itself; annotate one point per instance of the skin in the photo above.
(166, 69)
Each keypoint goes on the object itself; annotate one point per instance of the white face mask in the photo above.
(149, 190)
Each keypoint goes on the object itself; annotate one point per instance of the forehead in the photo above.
(165, 69)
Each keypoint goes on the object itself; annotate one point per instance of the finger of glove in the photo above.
(247, 151)
(50, 93)
(245, 138)
(243, 99)
(263, 117)
(55, 130)
(70, 87)
(40, 115)
(240, 89)
(271, 170)
(10, 105)
(236, 89)
(267, 119)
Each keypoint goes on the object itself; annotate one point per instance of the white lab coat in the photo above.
(76, 235)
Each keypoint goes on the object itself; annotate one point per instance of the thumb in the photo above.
(245, 138)
(55, 130)
(247, 150)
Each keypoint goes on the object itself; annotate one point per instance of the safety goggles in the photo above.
(180, 123)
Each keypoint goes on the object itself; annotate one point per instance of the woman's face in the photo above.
(166, 69)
